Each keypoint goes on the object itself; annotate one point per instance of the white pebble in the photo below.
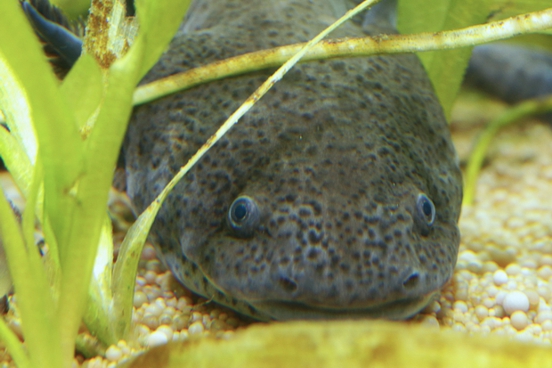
(500, 277)
(196, 328)
(148, 253)
(543, 316)
(140, 298)
(515, 301)
(481, 312)
(544, 292)
(150, 277)
(153, 309)
(545, 260)
(492, 322)
(547, 325)
(533, 297)
(460, 306)
(183, 303)
(488, 303)
(156, 338)
(519, 320)
(140, 281)
(500, 297)
(166, 330)
(545, 272)
(513, 269)
(496, 311)
(430, 321)
(113, 353)
(492, 290)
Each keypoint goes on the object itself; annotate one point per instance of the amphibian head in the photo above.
(337, 196)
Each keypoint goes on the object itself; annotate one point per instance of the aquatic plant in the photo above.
(62, 148)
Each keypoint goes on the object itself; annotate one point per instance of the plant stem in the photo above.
(14, 346)
(515, 114)
(350, 47)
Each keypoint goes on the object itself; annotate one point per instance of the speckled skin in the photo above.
(334, 156)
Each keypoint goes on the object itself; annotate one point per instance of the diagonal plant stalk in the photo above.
(350, 47)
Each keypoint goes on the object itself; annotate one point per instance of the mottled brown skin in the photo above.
(334, 158)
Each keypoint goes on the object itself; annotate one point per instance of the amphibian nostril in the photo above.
(411, 281)
(287, 284)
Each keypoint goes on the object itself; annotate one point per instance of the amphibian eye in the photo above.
(426, 209)
(243, 216)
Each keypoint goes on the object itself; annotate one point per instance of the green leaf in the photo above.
(445, 68)
(82, 88)
(73, 8)
(16, 160)
(124, 273)
(98, 317)
(159, 21)
(35, 91)
(501, 9)
(14, 346)
(39, 325)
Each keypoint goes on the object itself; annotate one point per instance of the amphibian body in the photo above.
(337, 196)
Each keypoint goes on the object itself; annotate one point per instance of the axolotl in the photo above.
(336, 196)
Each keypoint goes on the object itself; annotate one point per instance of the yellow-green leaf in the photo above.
(82, 88)
(445, 68)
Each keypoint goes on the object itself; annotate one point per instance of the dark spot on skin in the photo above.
(287, 284)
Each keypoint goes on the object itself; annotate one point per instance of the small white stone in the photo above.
(166, 330)
(154, 309)
(113, 353)
(148, 253)
(150, 277)
(533, 297)
(488, 303)
(547, 325)
(156, 338)
(543, 316)
(196, 328)
(431, 322)
(496, 311)
(460, 306)
(492, 322)
(500, 277)
(515, 301)
(519, 320)
(481, 312)
(140, 281)
(545, 272)
(140, 298)
(500, 297)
